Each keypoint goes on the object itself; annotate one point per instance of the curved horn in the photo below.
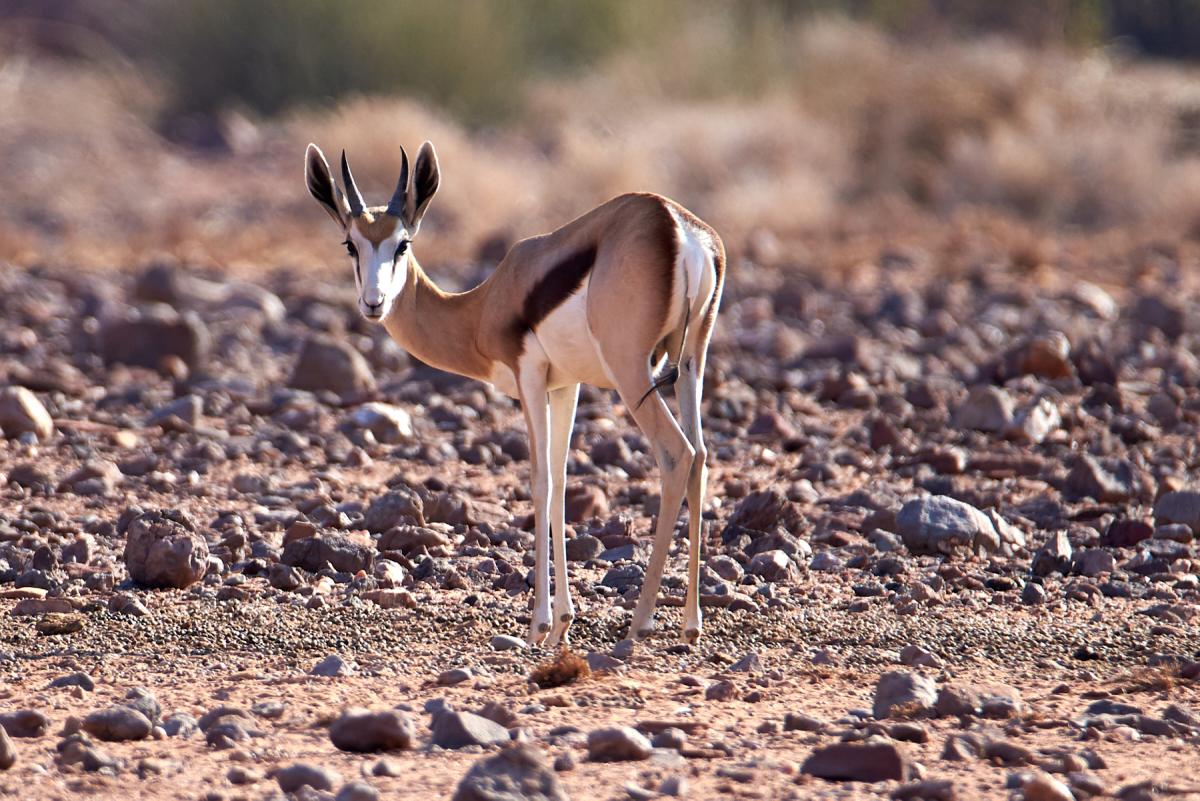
(395, 206)
(352, 193)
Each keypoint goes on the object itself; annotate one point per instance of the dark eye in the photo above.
(353, 251)
(400, 249)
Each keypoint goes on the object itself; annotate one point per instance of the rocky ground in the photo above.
(248, 549)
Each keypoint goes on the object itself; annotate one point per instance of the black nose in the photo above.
(374, 309)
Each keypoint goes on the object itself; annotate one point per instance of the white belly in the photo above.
(565, 337)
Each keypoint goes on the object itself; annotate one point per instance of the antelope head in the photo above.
(378, 238)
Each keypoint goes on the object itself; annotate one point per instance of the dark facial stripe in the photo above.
(555, 287)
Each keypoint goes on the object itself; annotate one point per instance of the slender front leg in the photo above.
(562, 420)
(532, 385)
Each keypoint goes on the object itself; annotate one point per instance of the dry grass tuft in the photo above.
(1157, 679)
(566, 668)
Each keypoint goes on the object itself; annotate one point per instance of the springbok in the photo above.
(606, 299)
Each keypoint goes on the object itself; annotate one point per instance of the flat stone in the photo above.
(859, 762)
(507, 642)
(300, 774)
(363, 731)
(453, 729)
(795, 721)
(82, 680)
(25, 723)
(448, 678)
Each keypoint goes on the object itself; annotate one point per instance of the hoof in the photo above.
(537, 633)
(644, 633)
(691, 636)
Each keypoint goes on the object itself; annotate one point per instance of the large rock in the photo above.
(454, 729)
(942, 525)
(617, 744)
(147, 337)
(21, 412)
(412, 538)
(25, 723)
(326, 364)
(859, 762)
(118, 723)
(978, 700)
(162, 549)
(1182, 506)
(517, 773)
(364, 731)
(902, 691)
(341, 553)
(399, 506)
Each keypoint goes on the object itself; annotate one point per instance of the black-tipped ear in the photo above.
(426, 177)
(321, 185)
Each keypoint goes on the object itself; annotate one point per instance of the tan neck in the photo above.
(437, 327)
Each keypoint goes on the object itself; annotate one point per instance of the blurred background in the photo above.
(806, 131)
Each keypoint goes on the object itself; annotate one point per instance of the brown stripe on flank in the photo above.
(555, 287)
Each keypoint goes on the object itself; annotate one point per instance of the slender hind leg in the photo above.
(562, 420)
(687, 390)
(674, 456)
(532, 385)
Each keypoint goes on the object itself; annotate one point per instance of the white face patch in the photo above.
(380, 272)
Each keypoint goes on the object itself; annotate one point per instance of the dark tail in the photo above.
(665, 378)
(669, 374)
